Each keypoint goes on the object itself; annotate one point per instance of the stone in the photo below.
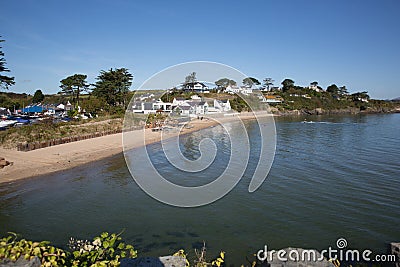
(21, 262)
(395, 248)
(166, 261)
(4, 163)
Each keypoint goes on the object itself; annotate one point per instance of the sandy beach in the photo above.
(65, 156)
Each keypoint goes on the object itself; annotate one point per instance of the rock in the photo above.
(4, 163)
(21, 262)
(301, 261)
(395, 247)
(166, 261)
(319, 111)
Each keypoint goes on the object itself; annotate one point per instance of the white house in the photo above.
(195, 98)
(68, 106)
(222, 105)
(315, 87)
(151, 107)
(236, 89)
(178, 101)
(274, 99)
(183, 110)
(232, 89)
(145, 96)
(246, 90)
(198, 108)
(61, 106)
(196, 87)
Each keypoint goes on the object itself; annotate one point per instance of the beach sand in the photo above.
(65, 156)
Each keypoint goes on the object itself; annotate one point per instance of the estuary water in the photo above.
(334, 177)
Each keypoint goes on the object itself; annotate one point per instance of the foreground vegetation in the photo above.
(308, 100)
(104, 250)
(47, 130)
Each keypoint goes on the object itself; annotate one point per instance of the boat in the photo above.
(7, 123)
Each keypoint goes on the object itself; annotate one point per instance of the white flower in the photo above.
(97, 242)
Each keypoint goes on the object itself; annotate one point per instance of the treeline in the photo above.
(111, 90)
(109, 94)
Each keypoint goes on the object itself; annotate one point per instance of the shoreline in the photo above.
(52, 159)
(38, 162)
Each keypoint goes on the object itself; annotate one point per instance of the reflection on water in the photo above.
(335, 177)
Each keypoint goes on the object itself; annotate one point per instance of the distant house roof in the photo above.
(196, 103)
(191, 85)
(148, 105)
(184, 107)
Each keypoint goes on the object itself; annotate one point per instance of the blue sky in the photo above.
(352, 43)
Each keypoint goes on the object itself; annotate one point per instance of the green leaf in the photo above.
(104, 235)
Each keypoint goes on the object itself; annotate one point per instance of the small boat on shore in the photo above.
(7, 123)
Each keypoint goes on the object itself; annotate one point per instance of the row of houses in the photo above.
(181, 106)
(201, 87)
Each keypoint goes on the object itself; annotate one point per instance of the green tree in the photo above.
(268, 83)
(333, 89)
(287, 84)
(343, 90)
(224, 82)
(250, 81)
(5, 81)
(360, 95)
(38, 96)
(113, 86)
(73, 86)
(67, 87)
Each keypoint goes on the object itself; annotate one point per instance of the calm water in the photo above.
(337, 177)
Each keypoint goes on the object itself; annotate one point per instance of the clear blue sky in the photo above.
(352, 43)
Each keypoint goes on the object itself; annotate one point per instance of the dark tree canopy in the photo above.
(287, 84)
(38, 97)
(360, 95)
(333, 89)
(73, 86)
(268, 83)
(5, 81)
(250, 81)
(113, 86)
(224, 82)
(343, 90)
